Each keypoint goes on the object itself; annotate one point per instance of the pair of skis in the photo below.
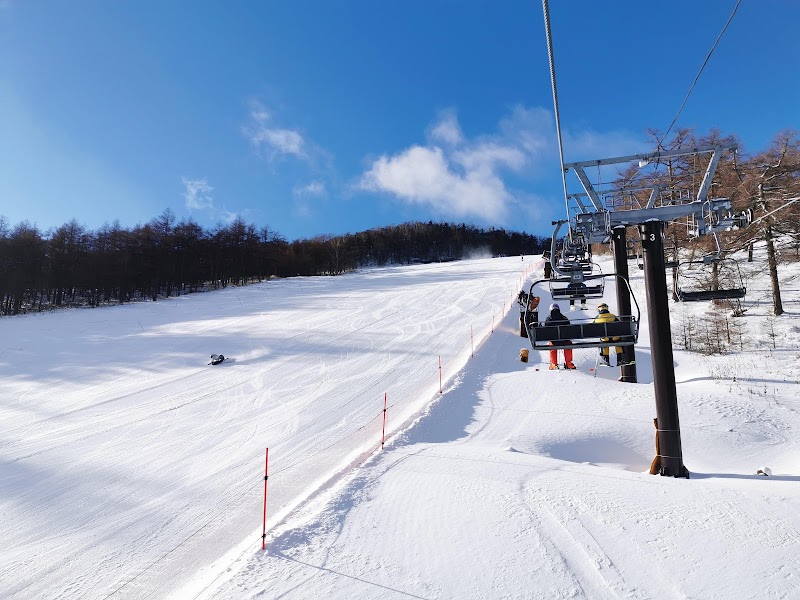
(599, 363)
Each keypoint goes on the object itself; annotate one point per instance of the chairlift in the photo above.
(577, 286)
(697, 283)
(671, 256)
(630, 250)
(583, 333)
(572, 253)
(669, 263)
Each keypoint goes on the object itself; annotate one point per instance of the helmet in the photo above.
(555, 306)
(602, 306)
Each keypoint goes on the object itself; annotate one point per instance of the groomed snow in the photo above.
(132, 470)
(129, 466)
(525, 483)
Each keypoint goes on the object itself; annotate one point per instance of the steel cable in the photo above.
(551, 59)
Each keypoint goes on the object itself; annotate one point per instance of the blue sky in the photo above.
(328, 117)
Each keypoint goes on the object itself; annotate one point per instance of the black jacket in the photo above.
(557, 318)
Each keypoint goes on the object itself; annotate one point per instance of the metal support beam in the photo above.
(708, 177)
(670, 458)
(651, 203)
(590, 191)
(619, 245)
(648, 158)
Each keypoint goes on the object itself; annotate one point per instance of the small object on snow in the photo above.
(216, 359)
(523, 355)
(766, 471)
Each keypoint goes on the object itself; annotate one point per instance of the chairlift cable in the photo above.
(710, 52)
(788, 203)
(546, 10)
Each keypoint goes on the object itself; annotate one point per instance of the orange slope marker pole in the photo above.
(383, 433)
(264, 527)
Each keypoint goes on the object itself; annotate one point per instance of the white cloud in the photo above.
(422, 175)
(489, 156)
(315, 188)
(453, 176)
(447, 129)
(460, 177)
(197, 195)
(229, 217)
(532, 130)
(305, 197)
(271, 140)
(282, 141)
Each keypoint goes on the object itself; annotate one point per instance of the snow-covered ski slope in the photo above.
(129, 466)
(526, 483)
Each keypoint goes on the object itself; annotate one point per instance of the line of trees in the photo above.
(72, 266)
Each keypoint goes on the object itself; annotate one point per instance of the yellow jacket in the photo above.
(605, 317)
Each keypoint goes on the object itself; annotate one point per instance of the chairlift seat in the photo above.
(568, 267)
(728, 272)
(570, 293)
(704, 295)
(585, 333)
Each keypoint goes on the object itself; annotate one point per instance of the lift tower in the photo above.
(601, 214)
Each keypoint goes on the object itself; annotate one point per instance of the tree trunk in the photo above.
(772, 262)
(675, 297)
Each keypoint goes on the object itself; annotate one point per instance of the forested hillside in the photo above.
(71, 266)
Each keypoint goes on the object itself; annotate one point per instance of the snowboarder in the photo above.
(216, 359)
(606, 316)
(557, 318)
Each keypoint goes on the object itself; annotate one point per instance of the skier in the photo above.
(557, 318)
(548, 268)
(576, 291)
(606, 316)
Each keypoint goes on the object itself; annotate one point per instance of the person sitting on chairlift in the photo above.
(575, 288)
(606, 316)
(557, 318)
(533, 310)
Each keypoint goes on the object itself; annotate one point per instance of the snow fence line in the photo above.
(363, 449)
(354, 448)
